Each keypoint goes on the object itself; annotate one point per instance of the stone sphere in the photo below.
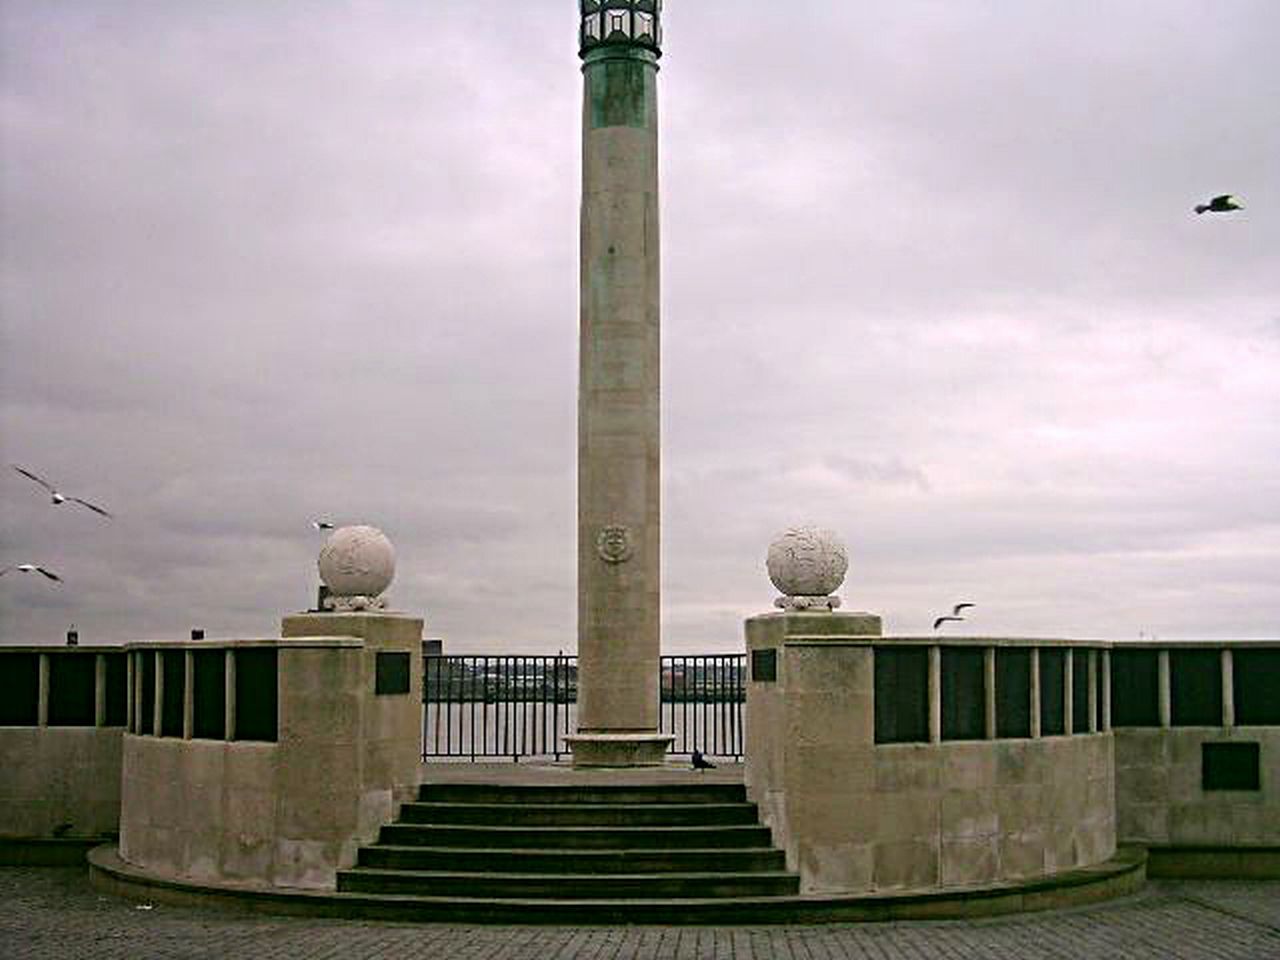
(357, 561)
(807, 562)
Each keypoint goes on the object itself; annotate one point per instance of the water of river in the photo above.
(533, 729)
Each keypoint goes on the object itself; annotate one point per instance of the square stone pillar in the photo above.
(391, 735)
(810, 729)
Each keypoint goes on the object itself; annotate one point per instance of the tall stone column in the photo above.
(618, 414)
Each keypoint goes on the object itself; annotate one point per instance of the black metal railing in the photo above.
(700, 703)
(498, 706)
(514, 706)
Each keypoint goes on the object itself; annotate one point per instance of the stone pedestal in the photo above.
(391, 734)
(619, 749)
(809, 724)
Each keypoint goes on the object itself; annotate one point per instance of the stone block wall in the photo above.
(64, 779)
(291, 811)
(203, 809)
(1161, 799)
(1164, 795)
(60, 777)
(856, 816)
(962, 813)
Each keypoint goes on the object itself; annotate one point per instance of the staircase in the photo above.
(640, 853)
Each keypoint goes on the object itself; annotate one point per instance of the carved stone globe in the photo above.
(807, 565)
(357, 562)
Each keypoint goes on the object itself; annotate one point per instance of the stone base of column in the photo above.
(619, 749)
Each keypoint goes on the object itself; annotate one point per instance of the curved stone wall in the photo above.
(932, 809)
(61, 721)
(268, 762)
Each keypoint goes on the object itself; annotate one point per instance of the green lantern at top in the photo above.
(631, 23)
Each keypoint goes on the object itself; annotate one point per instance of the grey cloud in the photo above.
(930, 278)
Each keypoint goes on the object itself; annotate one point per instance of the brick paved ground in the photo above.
(52, 913)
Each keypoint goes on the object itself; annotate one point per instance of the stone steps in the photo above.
(575, 886)
(563, 844)
(581, 814)
(517, 794)
(573, 838)
(1122, 875)
(434, 859)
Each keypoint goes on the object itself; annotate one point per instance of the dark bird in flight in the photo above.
(961, 606)
(32, 568)
(59, 498)
(322, 524)
(700, 762)
(1223, 204)
(941, 620)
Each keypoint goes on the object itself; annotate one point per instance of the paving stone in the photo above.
(51, 913)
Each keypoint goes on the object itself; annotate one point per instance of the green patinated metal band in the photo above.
(619, 51)
(620, 87)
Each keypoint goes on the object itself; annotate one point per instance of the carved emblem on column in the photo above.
(614, 543)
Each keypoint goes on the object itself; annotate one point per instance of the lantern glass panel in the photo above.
(617, 25)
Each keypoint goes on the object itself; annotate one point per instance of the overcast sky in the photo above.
(931, 279)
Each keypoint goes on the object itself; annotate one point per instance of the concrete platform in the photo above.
(565, 773)
(48, 851)
(1123, 875)
(52, 913)
(1214, 863)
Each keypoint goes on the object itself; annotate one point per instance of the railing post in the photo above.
(1106, 689)
(989, 691)
(1228, 689)
(935, 694)
(42, 703)
(1092, 697)
(1166, 703)
(1068, 692)
(138, 671)
(188, 694)
(157, 705)
(130, 702)
(229, 694)
(1035, 692)
(100, 690)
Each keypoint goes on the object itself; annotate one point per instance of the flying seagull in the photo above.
(1223, 204)
(57, 497)
(955, 613)
(700, 762)
(31, 568)
(322, 525)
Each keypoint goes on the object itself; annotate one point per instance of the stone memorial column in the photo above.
(618, 421)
